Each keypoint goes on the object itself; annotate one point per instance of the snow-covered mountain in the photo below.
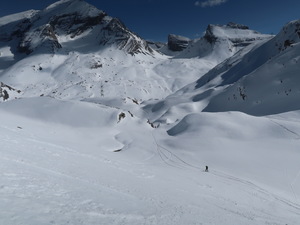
(50, 41)
(260, 79)
(265, 81)
(218, 43)
(63, 23)
(72, 50)
(99, 126)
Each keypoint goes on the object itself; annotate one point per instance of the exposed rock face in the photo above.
(114, 31)
(75, 24)
(177, 43)
(5, 91)
(239, 35)
(209, 34)
(42, 36)
(156, 45)
(237, 26)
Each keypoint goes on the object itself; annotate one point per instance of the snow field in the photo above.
(65, 171)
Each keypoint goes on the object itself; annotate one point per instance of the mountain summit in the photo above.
(222, 41)
(63, 24)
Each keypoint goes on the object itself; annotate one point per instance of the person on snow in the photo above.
(206, 168)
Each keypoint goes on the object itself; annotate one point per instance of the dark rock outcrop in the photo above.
(156, 45)
(241, 40)
(75, 24)
(4, 91)
(115, 32)
(209, 34)
(42, 36)
(237, 26)
(177, 43)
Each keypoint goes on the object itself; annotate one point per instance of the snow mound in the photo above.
(227, 125)
(75, 114)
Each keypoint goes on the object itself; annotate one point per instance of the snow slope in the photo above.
(105, 73)
(60, 168)
(267, 80)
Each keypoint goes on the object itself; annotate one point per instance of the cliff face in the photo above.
(239, 35)
(177, 43)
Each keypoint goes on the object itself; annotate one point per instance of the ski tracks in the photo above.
(174, 160)
(259, 190)
(286, 128)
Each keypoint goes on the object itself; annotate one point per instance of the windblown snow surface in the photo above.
(93, 135)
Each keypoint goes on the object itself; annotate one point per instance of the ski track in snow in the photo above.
(23, 188)
(286, 128)
(175, 161)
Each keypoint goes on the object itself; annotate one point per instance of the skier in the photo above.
(206, 168)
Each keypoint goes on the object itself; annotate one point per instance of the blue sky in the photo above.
(155, 19)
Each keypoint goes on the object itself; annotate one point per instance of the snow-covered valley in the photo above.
(98, 127)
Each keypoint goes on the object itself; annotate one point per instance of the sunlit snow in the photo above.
(93, 134)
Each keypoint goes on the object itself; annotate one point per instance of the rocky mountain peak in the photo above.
(209, 34)
(289, 35)
(240, 35)
(46, 30)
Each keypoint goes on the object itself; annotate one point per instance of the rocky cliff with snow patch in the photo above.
(177, 42)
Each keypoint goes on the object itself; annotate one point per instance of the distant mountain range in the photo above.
(72, 50)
